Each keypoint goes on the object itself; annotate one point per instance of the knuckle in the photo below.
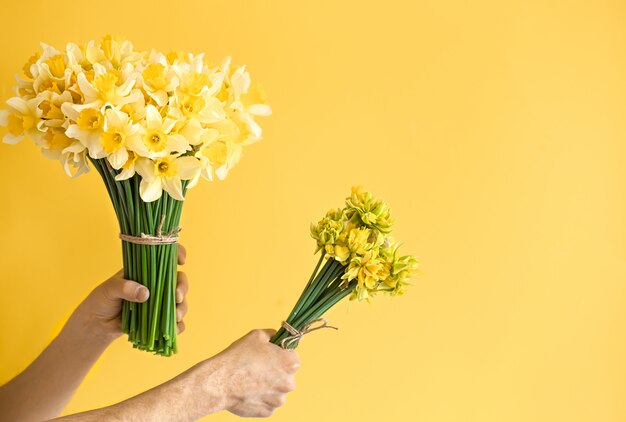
(281, 399)
(295, 359)
(265, 412)
(290, 385)
(291, 361)
(254, 334)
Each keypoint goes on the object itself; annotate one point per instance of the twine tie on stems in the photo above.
(306, 328)
(160, 238)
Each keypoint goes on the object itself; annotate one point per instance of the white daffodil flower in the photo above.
(158, 136)
(158, 80)
(119, 135)
(76, 60)
(104, 90)
(165, 173)
(203, 108)
(195, 134)
(22, 119)
(87, 129)
(50, 72)
(51, 112)
(247, 102)
(74, 159)
(128, 169)
(218, 157)
(113, 51)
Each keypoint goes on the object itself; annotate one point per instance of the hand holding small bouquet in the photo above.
(360, 260)
(151, 124)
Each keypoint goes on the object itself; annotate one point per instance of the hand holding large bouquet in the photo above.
(152, 124)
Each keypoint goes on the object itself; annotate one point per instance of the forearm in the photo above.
(173, 401)
(43, 389)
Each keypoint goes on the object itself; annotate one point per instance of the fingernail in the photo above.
(142, 293)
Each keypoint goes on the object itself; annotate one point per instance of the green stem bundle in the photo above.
(321, 293)
(150, 325)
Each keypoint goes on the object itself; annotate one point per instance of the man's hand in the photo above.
(249, 378)
(101, 311)
(255, 375)
(47, 385)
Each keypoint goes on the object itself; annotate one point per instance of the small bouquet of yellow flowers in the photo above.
(361, 261)
(151, 124)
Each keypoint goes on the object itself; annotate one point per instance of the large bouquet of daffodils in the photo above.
(360, 260)
(151, 124)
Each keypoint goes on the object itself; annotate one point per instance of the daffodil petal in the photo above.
(69, 111)
(125, 88)
(222, 172)
(260, 109)
(18, 105)
(145, 168)
(174, 187)
(153, 117)
(177, 143)
(86, 88)
(12, 139)
(188, 167)
(135, 144)
(150, 190)
(115, 118)
(125, 174)
(118, 158)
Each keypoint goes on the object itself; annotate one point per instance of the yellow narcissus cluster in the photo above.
(358, 236)
(167, 117)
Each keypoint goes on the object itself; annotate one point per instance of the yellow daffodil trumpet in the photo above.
(151, 124)
(361, 261)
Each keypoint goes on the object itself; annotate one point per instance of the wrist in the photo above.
(84, 328)
(189, 396)
(208, 377)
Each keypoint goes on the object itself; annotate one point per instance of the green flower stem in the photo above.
(315, 312)
(166, 301)
(306, 290)
(313, 293)
(322, 306)
(309, 293)
(158, 296)
(150, 325)
(322, 283)
(322, 310)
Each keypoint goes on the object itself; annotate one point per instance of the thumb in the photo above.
(120, 288)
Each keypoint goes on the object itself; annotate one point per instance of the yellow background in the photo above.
(494, 129)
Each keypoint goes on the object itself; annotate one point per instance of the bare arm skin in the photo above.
(250, 378)
(42, 390)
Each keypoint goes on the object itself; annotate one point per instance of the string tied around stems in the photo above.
(306, 328)
(160, 238)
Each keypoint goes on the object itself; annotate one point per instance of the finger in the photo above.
(181, 311)
(275, 400)
(286, 386)
(180, 327)
(267, 333)
(182, 286)
(182, 254)
(292, 361)
(118, 288)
